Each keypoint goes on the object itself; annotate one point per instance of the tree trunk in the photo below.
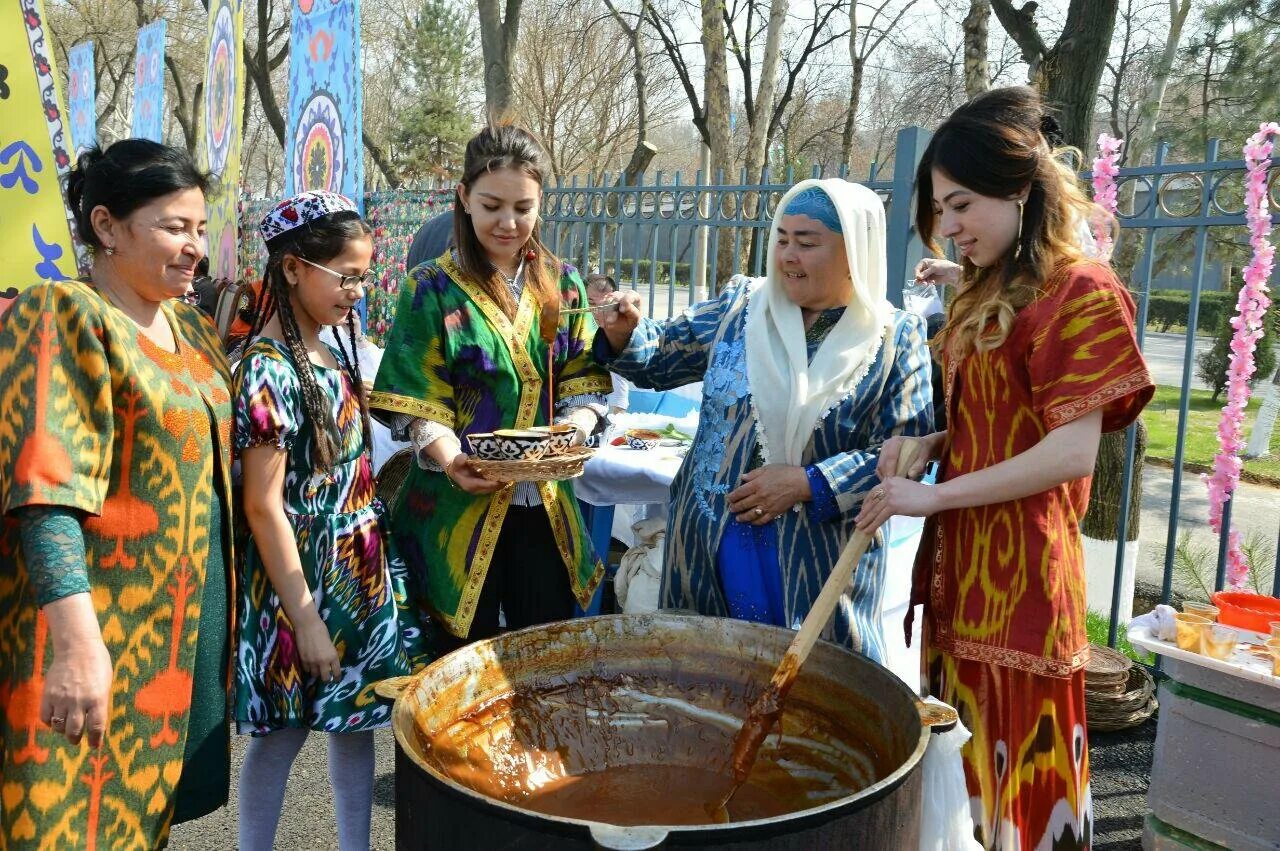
(1069, 73)
(716, 88)
(715, 84)
(257, 64)
(640, 159)
(762, 108)
(1074, 68)
(855, 90)
(977, 76)
(851, 116)
(1102, 520)
(1144, 137)
(644, 151)
(498, 33)
(380, 159)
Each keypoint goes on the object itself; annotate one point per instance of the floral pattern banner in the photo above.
(35, 241)
(220, 146)
(324, 148)
(82, 96)
(148, 83)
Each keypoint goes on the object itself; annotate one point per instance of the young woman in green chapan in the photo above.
(479, 344)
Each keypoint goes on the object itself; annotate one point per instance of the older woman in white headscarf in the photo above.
(805, 373)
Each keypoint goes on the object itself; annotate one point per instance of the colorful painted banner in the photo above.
(82, 96)
(35, 238)
(323, 137)
(148, 83)
(220, 148)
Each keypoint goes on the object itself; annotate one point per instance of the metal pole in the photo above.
(698, 284)
(1188, 364)
(905, 246)
(1224, 538)
(1131, 433)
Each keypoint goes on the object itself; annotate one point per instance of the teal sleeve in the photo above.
(53, 547)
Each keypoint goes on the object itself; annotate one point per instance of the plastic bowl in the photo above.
(1246, 611)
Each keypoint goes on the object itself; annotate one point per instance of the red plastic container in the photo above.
(1247, 611)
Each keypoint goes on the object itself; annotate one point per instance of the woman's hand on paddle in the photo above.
(887, 465)
(316, 651)
(766, 492)
(76, 699)
(896, 496)
(620, 323)
(465, 476)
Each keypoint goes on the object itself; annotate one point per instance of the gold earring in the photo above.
(1017, 245)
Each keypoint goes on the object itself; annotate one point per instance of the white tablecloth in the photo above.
(637, 483)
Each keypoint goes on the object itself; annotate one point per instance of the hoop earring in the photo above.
(1017, 245)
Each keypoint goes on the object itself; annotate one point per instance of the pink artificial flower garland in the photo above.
(1251, 309)
(1105, 168)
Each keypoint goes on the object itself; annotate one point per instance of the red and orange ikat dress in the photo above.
(1003, 584)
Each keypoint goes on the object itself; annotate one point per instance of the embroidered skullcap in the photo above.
(817, 205)
(302, 209)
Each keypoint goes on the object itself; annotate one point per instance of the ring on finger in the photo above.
(878, 493)
(55, 721)
(759, 512)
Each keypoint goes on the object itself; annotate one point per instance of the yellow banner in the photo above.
(35, 238)
(220, 148)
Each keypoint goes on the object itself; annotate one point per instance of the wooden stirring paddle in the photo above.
(767, 708)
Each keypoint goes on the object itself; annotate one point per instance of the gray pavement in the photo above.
(1165, 352)
(1255, 510)
(307, 820)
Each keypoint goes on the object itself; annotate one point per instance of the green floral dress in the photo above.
(342, 547)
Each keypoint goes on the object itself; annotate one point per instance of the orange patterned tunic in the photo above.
(1004, 583)
(97, 418)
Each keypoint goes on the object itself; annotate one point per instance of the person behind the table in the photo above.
(600, 287)
(115, 554)
(805, 373)
(1041, 358)
(479, 344)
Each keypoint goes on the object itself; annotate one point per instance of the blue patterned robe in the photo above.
(707, 343)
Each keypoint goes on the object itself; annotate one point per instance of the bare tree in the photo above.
(715, 85)
(576, 91)
(499, 29)
(1142, 140)
(864, 41)
(977, 73)
(263, 54)
(1069, 72)
(644, 150)
(761, 114)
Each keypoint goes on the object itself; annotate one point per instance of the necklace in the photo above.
(510, 279)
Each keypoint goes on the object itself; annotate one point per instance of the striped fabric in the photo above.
(706, 343)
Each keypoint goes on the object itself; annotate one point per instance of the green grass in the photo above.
(1161, 417)
(1095, 625)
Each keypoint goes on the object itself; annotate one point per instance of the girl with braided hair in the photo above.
(322, 608)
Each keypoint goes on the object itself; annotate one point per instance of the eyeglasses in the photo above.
(347, 282)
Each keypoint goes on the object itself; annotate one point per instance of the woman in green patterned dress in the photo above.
(479, 344)
(320, 614)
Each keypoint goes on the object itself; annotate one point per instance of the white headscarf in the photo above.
(790, 394)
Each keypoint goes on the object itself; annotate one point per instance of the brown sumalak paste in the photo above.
(632, 750)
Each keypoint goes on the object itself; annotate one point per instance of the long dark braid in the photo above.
(351, 365)
(320, 240)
